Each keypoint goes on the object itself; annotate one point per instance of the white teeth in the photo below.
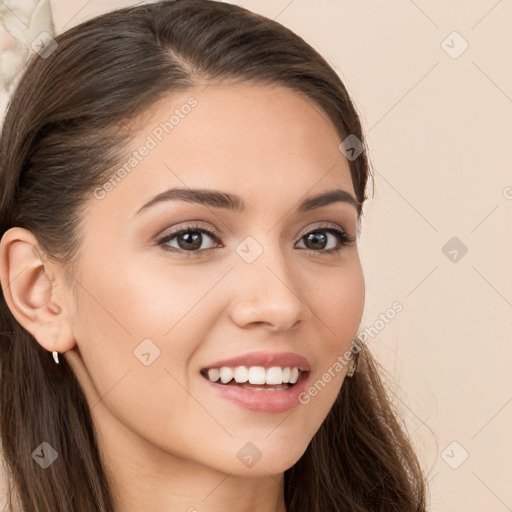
(257, 375)
(226, 374)
(274, 376)
(214, 374)
(241, 374)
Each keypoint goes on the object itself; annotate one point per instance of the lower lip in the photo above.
(265, 401)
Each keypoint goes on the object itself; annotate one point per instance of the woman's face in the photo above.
(156, 311)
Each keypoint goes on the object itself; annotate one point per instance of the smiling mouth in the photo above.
(255, 378)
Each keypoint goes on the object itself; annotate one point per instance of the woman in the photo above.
(182, 186)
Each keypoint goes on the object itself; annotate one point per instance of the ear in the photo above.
(34, 290)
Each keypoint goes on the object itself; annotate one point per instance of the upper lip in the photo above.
(265, 359)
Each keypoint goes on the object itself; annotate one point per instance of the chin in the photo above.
(260, 460)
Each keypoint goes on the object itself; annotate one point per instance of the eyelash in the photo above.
(343, 238)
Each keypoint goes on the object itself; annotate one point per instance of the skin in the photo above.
(169, 443)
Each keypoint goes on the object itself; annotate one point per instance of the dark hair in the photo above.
(64, 131)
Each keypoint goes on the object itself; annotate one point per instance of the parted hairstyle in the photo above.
(61, 138)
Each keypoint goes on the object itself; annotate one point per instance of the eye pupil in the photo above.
(190, 237)
(318, 239)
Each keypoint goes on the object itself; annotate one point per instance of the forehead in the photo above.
(258, 141)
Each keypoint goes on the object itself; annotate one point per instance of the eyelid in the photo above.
(189, 226)
(322, 225)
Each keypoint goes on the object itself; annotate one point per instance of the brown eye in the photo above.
(318, 240)
(189, 239)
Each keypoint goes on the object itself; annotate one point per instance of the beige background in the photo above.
(439, 126)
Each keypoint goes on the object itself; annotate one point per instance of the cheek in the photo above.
(337, 300)
(137, 332)
(138, 299)
(337, 303)
(138, 326)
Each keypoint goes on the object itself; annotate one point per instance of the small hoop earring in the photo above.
(352, 364)
(351, 367)
(56, 356)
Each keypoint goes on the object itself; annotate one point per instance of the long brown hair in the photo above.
(60, 140)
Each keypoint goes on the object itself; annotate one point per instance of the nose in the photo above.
(266, 292)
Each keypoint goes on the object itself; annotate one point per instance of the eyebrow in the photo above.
(217, 199)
